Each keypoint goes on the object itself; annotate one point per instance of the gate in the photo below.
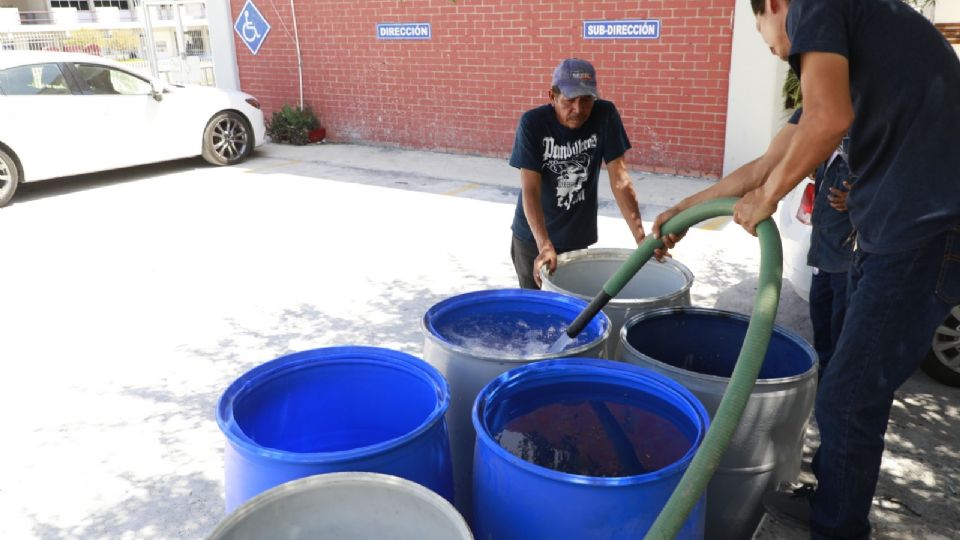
(169, 39)
(177, 37)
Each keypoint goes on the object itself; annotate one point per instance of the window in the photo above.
(40, 79)
(82, 5)
(122, 4)
(194, 43)
(103, 80)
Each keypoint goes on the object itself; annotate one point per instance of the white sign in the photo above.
(626, 29)
(404, 31)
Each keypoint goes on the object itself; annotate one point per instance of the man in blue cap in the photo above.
(558, 149)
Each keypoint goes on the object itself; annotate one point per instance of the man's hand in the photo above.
(669, 240)
(548, 257)
(838, 197)
(752, 209)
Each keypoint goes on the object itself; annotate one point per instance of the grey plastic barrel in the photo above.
(346, 506)
(468, 370)
(698, 348)
(582, 273)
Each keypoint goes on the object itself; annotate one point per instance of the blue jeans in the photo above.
(828, 304)
(895, 303)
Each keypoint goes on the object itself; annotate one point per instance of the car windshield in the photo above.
(103, 80)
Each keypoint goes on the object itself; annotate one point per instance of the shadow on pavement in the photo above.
(31, 191)
(792, 311)
(191, 505)
(169, 507)
(919, 486)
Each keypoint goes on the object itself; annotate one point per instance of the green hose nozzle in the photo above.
(744, 377)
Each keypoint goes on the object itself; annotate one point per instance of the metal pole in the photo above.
(151, 45)
(181, 42)
(296, 39)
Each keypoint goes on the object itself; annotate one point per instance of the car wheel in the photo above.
(943, 361)
(227, 139)
(9, 177)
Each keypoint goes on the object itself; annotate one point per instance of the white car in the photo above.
(63, 114)
(793, 217)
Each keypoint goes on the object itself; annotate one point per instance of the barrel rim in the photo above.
(613, 373)
(379, 480)
(786, 332)
(620, 254)
(578, 305)
(290, 363)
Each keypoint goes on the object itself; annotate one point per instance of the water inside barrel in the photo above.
(594, 437)
(518, 333)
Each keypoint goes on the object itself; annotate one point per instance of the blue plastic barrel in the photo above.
(474, 337)
(657, 422)
(336, 409)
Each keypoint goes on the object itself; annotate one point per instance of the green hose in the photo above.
(752, 353)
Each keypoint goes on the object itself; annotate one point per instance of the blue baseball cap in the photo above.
(575, 77)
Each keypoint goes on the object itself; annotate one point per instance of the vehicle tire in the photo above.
(9, 177)
(943, 361)
(227, 139)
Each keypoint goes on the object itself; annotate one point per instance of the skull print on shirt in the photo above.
(571, 164)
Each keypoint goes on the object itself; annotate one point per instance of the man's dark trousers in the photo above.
(895, 303)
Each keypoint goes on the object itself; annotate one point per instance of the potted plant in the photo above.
(295, 126)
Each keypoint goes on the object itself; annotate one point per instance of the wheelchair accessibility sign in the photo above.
(252, 27)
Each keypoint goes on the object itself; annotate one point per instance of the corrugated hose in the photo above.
(744, 377)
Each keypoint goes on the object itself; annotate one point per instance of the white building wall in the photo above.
(221, 43)
(947, 11)
(755, 103)
(33, 5)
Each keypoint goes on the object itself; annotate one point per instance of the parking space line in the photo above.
(463, 189)
(284, 163)
(715, 224)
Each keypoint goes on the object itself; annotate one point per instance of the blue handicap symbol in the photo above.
(252, 27)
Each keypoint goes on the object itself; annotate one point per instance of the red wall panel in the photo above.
(490, 60)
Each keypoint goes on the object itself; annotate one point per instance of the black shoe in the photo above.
(791, 507)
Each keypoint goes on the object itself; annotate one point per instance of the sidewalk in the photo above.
(475, 177)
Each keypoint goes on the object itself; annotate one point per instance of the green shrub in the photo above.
(792, 97)
(292, 125)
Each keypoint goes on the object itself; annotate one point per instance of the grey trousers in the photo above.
(523, 254)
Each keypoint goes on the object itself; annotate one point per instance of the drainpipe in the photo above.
(296, 39)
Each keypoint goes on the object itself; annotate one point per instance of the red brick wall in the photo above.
(490, 60)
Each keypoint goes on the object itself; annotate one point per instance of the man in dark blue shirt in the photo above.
(880, 71)
(558, 149)
(830, 253)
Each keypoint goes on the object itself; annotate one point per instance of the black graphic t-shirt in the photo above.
(569, 164)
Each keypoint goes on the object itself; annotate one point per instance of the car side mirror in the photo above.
(156, 91)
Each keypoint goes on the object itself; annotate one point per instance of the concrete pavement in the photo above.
(137, 296)
(475, 177)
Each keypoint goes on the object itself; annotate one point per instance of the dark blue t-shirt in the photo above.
(905, 86)
(831, 242)
(831, 233)
(568, 161)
